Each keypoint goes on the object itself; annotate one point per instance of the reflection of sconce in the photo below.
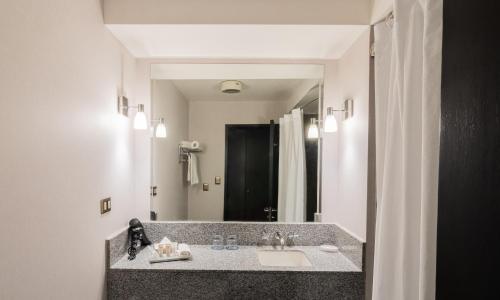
(160, 129)
(313, 131)
(140, 120)
(330, 123)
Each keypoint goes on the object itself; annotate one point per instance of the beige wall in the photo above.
(299, 92)
(346, 152)
(168, 174)
(63, 148)
(207, 120)
(380, 9)
(285, 12)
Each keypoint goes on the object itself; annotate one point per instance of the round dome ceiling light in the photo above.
(231, 86)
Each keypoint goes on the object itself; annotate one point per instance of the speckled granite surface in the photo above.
(116, 246)
(180, 285)
(249, 233)
(226, 274)
(243, 259)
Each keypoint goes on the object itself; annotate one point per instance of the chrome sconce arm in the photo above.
(330, 122)
(140, 119)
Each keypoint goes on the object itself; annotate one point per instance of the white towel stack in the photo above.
(167, 250)
(190, 145)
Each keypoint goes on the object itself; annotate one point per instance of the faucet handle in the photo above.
(291, 237)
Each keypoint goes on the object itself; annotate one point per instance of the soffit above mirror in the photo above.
(237, 41)
(328, 12)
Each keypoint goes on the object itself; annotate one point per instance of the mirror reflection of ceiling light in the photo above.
(231, 86)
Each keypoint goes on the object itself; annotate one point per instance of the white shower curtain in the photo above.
(292, 169)
(407, 109)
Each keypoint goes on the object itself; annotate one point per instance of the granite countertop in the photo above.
(243, 259)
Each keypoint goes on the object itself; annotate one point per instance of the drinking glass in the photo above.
(218, 242)
(232, 242)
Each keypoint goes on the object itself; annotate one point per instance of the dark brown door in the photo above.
(250, 172)
(468, 250)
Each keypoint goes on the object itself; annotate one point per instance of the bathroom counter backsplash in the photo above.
(248, 234)
(243, 259)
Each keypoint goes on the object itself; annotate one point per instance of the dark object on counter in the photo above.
(137, 237)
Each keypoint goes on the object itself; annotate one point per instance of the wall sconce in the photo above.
(160, 129)
(330, 122)
(140, 119)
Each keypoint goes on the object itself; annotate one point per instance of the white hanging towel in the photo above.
(192, 171)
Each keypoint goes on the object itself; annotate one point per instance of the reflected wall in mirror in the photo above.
(237, 147)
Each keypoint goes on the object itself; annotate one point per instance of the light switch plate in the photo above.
(105, 205)
(205, 187)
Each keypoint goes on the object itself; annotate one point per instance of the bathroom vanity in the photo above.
(256, 270)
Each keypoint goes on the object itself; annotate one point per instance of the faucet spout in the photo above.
(280, 238)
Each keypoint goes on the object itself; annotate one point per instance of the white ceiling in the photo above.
(253, 90)
(238, 41)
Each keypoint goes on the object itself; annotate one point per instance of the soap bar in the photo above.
(329, 248)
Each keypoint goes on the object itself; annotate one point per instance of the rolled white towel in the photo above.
(191, 145)
(183, 250)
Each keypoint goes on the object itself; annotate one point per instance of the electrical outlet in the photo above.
(105, 205)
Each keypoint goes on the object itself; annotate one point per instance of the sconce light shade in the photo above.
(161, 129)
(140, 120)
(313, 131)
(330, 124)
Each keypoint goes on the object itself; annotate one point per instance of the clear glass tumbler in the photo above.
(232, 242)
(218, 242)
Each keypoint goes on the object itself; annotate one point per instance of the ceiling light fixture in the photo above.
(231, 86)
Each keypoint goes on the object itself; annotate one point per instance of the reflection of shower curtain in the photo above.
(292, 169)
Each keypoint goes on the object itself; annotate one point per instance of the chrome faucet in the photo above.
(278, 237)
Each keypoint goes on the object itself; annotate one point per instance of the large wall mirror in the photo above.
(241, 145)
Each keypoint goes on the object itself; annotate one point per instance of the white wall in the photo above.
(207, 120)
(63, 148)
(168, 174)
(299, 92)
(380, 9)
(286, 12)
(346, 152)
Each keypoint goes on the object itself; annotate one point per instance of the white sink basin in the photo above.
(283, 258)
